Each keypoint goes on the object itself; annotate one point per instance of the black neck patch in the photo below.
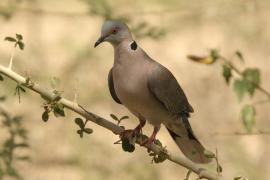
(133, 45)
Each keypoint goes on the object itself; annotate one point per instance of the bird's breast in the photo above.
(130, 83)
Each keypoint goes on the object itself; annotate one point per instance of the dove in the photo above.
(149, 91)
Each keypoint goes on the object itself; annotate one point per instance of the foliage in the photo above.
(245, 82)
(16, 139)
(142, 29)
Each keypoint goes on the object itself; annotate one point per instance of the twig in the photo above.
(263, 90)
(203, 173)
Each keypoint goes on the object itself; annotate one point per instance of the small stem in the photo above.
(258, 87)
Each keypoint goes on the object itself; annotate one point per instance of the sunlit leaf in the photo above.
(201, 59)
(248, 117)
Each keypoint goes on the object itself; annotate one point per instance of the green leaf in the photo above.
(11, 39)
(88, 130)
(126, 146)
(58, 110)
(45, 116)
(19, 36)
(79, 122)
(214, 54)
(219, 168)
(227, 73)
(114, 117)
(248, 117)
(124, 117)
(21, 45)
(55, 82)
(23, 158)
(239, 55)
(252, 77)
(1, 78)
(2, 98)
(13, 172)
(209, 154)
(240, 88)
(80, 132)
(22, 89)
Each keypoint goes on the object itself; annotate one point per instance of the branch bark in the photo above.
(203, 173)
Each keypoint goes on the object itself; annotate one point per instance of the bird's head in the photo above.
(114, 32)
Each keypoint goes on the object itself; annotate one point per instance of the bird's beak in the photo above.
(100, 40)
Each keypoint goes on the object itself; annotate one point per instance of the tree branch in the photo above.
(73, 106)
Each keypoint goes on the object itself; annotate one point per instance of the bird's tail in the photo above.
(181, 132)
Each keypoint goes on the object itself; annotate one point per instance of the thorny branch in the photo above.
(73, 106)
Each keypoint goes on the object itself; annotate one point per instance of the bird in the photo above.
(149, 91)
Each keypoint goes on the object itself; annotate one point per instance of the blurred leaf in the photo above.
(209, 154)
(23, 158)
(11, 39)
(22, 89)
(114, 117)
(21, 45)
(58, 110)
(45, 116)
(2, 98)
(239, 55)
(13, 172)
(126, 146)
(124, 117)
(252, 76)
(219, 168)
(79, 122)
(55, 82)
(214, 54)
(240, 88)
(201, 59)
(227, 73)
(19, 36)
(88, 130)
(248, 117)
(1, 78)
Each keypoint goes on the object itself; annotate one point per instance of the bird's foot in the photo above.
(149, 141)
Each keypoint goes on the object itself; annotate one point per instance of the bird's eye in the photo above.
(114, 30)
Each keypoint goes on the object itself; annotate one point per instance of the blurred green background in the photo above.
(59, 37)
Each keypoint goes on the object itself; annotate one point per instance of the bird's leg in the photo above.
(130, 133)
(152, 138)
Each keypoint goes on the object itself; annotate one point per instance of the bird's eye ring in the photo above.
(114, 30)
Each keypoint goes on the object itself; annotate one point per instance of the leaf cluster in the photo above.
(17, 139)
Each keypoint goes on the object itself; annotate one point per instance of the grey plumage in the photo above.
(149, 90)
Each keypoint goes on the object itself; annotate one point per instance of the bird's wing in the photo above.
(163, 85)
(111, 87)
